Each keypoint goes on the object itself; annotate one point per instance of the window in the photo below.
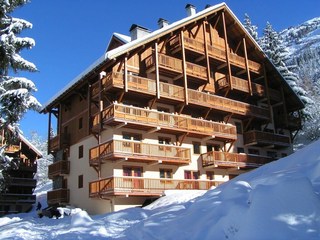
(132, 171)
(80, 181)
(165, 173)
(191, 174)
(80, 151)
(272, 154)
(210, 175)
(164, 140)
(80, 123)
(196, 147)
(240, 150)
(253, 151)
(239, 127)
(131, 136)
(213, 147)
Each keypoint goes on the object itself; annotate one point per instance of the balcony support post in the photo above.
(268, 93)
(184, 69)
(49, 131)
(204, 24)
(125, 75)
(227, 49)
(156, 60)
(247, 65)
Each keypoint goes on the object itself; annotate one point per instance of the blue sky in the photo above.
(71, 34)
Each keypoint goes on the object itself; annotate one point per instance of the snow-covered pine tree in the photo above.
(16, 93)
(252, 29)
(273, 46)
(44, 162)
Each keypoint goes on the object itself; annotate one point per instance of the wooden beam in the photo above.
(227, 49)
(125, 75)
(206, 52)
(157, 70)
(184, 69)
(181, 138)
(284, 107)
(89, 109)
(268, 93)
(247, 65)
(49, 131)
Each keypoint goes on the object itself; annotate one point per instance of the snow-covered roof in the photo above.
(27, 142)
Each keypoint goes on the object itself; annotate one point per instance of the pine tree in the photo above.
(252, 29)
(44, 162)
(273, 46)
(16, 93)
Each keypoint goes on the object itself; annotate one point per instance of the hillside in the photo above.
(303, 44)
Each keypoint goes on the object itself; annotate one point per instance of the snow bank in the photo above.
(277, 201)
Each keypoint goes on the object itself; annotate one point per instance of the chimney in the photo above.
(191, 10)
(162, 23)
(137, 31)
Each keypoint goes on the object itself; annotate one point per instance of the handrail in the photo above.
(167, 120)
(141, 185)
(166, 153)
(233, 159)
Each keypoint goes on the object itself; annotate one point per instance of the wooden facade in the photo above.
(150, 102)
(18, 196)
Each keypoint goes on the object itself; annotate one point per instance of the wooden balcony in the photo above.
(15, 198)
(139, 152)
(227, 105)
(54, 143)
(139, 186)
(23, 182)
(176, 93)
(58, 168)
(58, 196)
(27, 165)
(259, 138)
(241, 85)
(217, 52)
(149, 120)
(172, 67)
(232, 160)
(11, 148)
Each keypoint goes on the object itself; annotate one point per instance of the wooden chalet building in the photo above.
(188, 106)
(18, 197)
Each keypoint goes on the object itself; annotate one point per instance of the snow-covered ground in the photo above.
(277, 201)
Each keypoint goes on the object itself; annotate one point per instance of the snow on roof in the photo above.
(30, 145)
(27, 142)
(114, 53)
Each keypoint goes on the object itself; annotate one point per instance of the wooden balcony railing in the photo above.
(139, 186)
(17, 198)
(58, 196)
(25, 182)
(216, 51)
(241, 85)
(175, 65)
(58, 168)
(255, 137)
(11, 148)
(227, 105)
(168, 121)
(226, 159)
(171, 91)
(141, 152)
(54, 143)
